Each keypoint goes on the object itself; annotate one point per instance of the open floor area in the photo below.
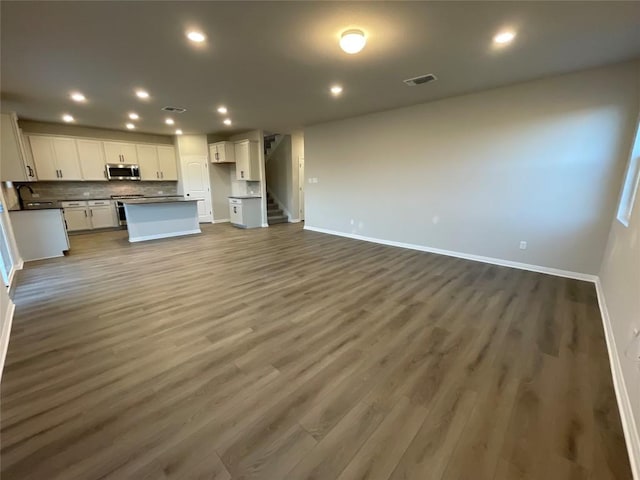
(279, 353)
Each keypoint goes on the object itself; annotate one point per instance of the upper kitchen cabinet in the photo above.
(247, 156)
(16, 164)
(120, 152)
(157, 162)
(222, 152)
(92, 159)
(55, 158)
(167, 163)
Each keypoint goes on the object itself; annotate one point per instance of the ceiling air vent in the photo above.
(174, 109)
(430, 77)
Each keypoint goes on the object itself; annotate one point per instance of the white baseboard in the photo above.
(5, 334)
(222, 220)
(631, 434)
(467, 256)
(143, 238)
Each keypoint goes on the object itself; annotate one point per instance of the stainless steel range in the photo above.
(122, 218)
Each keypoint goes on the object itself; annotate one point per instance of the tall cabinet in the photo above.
(16, 163)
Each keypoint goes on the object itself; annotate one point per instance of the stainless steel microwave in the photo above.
(119, 171)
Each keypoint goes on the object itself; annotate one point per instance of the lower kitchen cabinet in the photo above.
(89, 215)
(245, 212)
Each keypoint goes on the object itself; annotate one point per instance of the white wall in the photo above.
(620, 287)
(540, 161)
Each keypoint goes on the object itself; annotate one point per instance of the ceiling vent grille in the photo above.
(174, 109)
(412, 82)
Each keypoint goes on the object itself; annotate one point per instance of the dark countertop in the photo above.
(34, 209)
(243, 197)
(144, 201)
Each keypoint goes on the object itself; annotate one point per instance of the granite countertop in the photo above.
(143, 201)
(44, 204)
(243, 197)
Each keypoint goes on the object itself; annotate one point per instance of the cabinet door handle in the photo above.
(85, 213)
(30, 171)
(234, 210)
(61, 174)
(161, 174)
(241, 173)
(157, 174)
(91, 212)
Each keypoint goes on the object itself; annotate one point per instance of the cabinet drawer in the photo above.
(78, 203)
(93, 203)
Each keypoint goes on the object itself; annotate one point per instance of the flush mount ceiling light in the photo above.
(336, 90)
(222, 110)
(197, 37)
(503, 38)
(352, 41)
(67, 118)
(227, 121)
(78, 97)
(169, 121)
(142, 94)
(134, 116)
(130, 126)
(178, 132)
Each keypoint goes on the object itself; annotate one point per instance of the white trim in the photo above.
(4, 335)
(222, 220)
(156, 236)
(467, 256)
(12, 273)
(629, 427)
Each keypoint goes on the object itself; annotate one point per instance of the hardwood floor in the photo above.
(285, 354)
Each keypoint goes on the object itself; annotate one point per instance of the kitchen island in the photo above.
(153, 218)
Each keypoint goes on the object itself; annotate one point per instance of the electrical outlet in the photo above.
(86, 194)
(523, 245)
(353, 222)
(36, 195)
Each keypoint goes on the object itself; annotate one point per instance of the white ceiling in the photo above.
(271, 63)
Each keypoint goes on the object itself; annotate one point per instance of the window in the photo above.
(630, 186)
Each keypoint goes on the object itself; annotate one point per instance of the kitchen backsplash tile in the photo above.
(76, 190)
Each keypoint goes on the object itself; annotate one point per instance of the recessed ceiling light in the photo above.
(352, 41)
(78, 97)
(336, 90)
(503, 38)
(169, 121)
(67, 118)
(227, 121)
(197, 37)
(142, 94)
(130, 126)
(222, 110)
(134, 116)
(178, 132)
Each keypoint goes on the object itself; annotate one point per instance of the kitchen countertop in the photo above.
(243, 197)
(34, 209)
(143, 201)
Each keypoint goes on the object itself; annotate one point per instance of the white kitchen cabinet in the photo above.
(92, 160)
(167, 163)
(222, 152)
(157, 162)
(247, 157)
(102, 214)
(56, 158)
(15, 162)
(148, 162)
(76, 216)
(245, 212)
(120, 152)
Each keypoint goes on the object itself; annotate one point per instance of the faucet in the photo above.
(20, 200)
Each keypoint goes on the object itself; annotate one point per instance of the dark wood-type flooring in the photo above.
(285, 354)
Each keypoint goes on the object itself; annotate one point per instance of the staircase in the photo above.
(274, 212)
(271, 142)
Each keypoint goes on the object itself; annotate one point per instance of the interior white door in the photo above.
(301, 186)
(195, 177)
